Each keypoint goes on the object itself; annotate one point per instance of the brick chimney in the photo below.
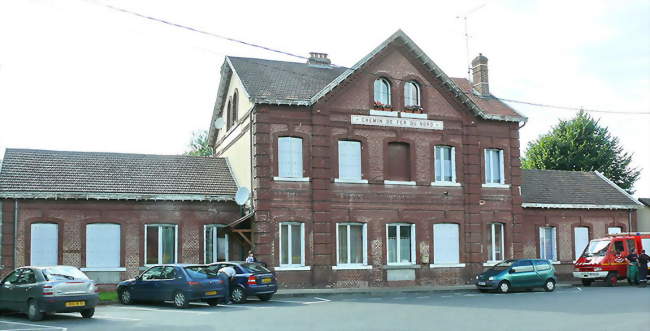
(480, 75)
(318, 59)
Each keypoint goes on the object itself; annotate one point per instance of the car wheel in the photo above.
(238, 295)
(125, 297)
(586, 282)
(549, 286)
(212, 302)
(88, 313)
(33, 311)
(265, 297)
(504, 287)
(611, 279)
(180, 300)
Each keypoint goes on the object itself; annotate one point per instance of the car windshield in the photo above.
(503, 265)
(63, 273)
(596, 248)
(201, 272)
(255, 268)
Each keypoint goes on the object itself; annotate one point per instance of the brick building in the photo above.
(389, 172)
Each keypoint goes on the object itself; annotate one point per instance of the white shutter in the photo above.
(613, 230)
(413, 241)
(542, 239)
(488, 165)
(349, 159)
(554, 238)
(296, 157)
(581, 240)
(284, 156)
(44, 244)
(103, 245)
(446, 244)
(436, 166)
(502, 179)
(453, 164)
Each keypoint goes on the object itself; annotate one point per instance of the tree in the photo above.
(581, 144)
(199, 144)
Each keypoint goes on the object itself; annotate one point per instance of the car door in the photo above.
(522, 274)
(7, 289)
(144, 287)
(168, 283)
(26, 287)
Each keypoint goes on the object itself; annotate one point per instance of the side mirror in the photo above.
(512, 271)
(8, 284)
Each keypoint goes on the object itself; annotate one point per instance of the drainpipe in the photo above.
(15, 230)
(629, 220)
(1, 222)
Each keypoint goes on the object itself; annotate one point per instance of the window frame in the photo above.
(215, 247)
(453, 181)
(364, 242)
(488, 180)
(542, 238)
(159, 225)
(413, 259)
(417, 92)
(299, 175)
(492, 258)
(290, 248)
(388, 86)
(120, 259)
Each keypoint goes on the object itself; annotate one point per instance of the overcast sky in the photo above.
(78, 76)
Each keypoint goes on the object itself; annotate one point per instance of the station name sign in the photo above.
(398, 122)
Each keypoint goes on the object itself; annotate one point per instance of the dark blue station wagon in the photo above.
(252, 279)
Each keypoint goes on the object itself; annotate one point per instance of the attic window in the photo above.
(382, 91)
(411, 94)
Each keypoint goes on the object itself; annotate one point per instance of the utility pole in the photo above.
(464, 18)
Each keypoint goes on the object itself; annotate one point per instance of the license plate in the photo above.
(266, 280)
(211, 293)
(75, 303)
(481, 283)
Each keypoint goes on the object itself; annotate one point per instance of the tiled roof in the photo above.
(645, 201)
(490, 104)
(545, 188)
(138, 176)
(268, 81)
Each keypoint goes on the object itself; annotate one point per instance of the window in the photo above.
(401, 243)
(44, 248)
(215, 243)
(522, 266)
(494, 166)
(12, 278)
(229, 120)
(103, 245)
(541, 265)
(618, 246)
(581, 240)
(496, 246)
(382, 91)
(292, 244)
(631, 245)
(614, 230)
(399, 162)
(153, 273)
(290, 157)
(351, 243)
(446, 244)
(235, 107)
(411, 94)
(349, 160)
(547, 244)
(160, 243)
(445, 164)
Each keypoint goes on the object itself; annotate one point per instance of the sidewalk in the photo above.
(381, 291)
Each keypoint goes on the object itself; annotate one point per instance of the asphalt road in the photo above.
(620, 308)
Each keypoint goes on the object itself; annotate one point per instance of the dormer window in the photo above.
(382, 92)
(411, 94)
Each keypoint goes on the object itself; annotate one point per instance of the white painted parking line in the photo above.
(116, 318)
(185, 311)
(423, 297)
(320, 300)
(32, 325)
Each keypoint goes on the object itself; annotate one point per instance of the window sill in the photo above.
(292, 268)
(399, 182)
(496, 185)
(491, 263)
(350, 181)
(451, 265)
(291, 179)
(451, 184)
(383, 113)
(351, 267)
(413, 115)
(556, 262)
(103, 269)
(402, 266)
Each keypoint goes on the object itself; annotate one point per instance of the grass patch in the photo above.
(108, 296)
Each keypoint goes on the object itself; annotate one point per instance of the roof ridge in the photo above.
(36, 150)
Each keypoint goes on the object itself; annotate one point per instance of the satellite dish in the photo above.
(219, 123)
(242, 195)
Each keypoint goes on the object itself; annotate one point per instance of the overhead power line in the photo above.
(215, 35)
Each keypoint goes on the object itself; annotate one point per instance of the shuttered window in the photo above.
(399, 162)
(446, 244)
(290, 157)
(103, 245)
(494, 166)
(547, 243)
(215, 243)
(445, 164)
(581, 239)
(44, 244)
(614, 230)
(349, 160)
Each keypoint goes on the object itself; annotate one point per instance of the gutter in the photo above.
(1, 223)
(15, 231)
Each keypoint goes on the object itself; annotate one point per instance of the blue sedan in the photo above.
(180, 283)
(252, 279)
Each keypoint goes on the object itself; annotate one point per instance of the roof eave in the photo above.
(116, 196)
(575, 206)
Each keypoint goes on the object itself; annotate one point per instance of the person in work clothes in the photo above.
(643, 268)
(633, 268)
(227, 275)
(251, 257)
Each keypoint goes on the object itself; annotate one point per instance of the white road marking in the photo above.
(446, 296)
(166, 310)
(579, 289)
(40, 326)
(116, 318)
(423, 297)
(400, 298)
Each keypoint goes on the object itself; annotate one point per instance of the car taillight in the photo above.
(47, 290)
(192, 283)
(251, 280)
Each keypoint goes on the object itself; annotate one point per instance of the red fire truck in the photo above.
(604, 258)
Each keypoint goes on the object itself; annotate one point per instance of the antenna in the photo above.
(464, 18)
(219, 123)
